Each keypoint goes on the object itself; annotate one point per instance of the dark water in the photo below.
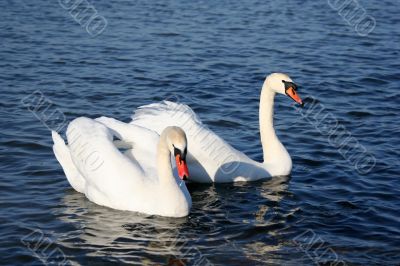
(337, 208)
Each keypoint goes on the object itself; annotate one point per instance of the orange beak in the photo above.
(293, 94)
(181, 165)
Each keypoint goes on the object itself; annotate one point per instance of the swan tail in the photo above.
(158, 116)
(63, 155)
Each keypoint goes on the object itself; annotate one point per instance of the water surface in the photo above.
(213, 56)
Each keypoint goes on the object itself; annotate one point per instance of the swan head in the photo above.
(283, 84)
(177, 144)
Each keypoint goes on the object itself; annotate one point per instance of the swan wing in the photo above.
(210, 158)
(110, 176)
(140, 143)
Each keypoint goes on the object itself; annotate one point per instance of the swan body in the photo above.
(210, 158)
(141, 180)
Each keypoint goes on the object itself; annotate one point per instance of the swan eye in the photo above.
(177, 151)
(289, 85)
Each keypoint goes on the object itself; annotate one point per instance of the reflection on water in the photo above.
(221, 215)
(106, 230)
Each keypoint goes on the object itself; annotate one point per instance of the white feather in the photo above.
(210, 158)
(94, 166)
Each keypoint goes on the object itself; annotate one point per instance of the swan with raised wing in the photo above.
(141, 180)
(210, 158)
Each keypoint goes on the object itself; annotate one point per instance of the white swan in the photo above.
(210, 158)
(141, 180)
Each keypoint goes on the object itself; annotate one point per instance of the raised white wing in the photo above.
(140, 143)
(110, 176)
(130, 181)
(210, 158)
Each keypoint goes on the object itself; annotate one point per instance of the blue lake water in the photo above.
(336, 208)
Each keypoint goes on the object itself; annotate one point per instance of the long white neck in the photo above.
(174, 198)
(274, 151)
(164, 167)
